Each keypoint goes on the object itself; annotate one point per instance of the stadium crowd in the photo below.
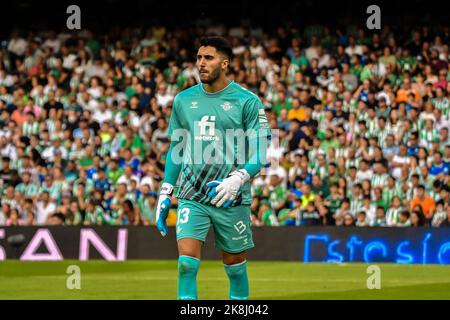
(362, 123)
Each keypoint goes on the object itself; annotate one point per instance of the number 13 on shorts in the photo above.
(232, 231)
(240, 227)
(183, 215)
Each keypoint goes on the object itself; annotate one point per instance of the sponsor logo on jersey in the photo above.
(207, 122)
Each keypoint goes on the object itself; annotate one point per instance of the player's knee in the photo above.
(233, 259)
(188, 265)
(189, 248)
(236, 271)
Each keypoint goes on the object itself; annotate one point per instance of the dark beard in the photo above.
(212, 77)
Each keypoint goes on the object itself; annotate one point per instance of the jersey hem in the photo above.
(192, 237)
(218, 246)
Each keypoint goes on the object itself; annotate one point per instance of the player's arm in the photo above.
(224, 191)
(171, 171)
(258, 145)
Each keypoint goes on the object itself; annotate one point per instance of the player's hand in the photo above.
(224, 191)
(162, 210)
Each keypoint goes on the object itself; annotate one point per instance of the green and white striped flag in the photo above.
(390, 193)
(27, 190)
(379, 180)
(16, 164)
(352, 163)
(28, 129)
(428, 136)
(341, 152)
(50, 125)
(382, 135)
(372, 127)
(443, 105)
(435, 195)
(393, 216)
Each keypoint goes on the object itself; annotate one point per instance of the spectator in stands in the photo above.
(363, 125)
(129, 214)
(361, 220)
(417, 217)
(426, 203)
(404, 219)
(446, 223)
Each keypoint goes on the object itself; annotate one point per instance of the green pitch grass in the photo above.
(157, 279)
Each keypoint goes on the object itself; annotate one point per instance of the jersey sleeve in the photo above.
(172, 168)
(255, 117)
(257, 125)
(175, 121)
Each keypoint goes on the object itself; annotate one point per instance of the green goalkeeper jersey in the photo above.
(216, 133)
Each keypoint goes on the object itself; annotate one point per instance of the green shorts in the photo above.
(232, 231)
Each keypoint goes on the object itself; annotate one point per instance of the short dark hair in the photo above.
(436, 184)
(405, 213)
(221, 44)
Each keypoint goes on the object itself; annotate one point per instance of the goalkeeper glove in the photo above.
(162, 210)
(224, 191)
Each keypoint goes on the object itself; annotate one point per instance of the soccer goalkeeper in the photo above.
(219, 135)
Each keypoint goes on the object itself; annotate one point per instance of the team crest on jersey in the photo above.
(194, 105)
(226, 106)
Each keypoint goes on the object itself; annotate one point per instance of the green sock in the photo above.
(237, 274)
(187, 277)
